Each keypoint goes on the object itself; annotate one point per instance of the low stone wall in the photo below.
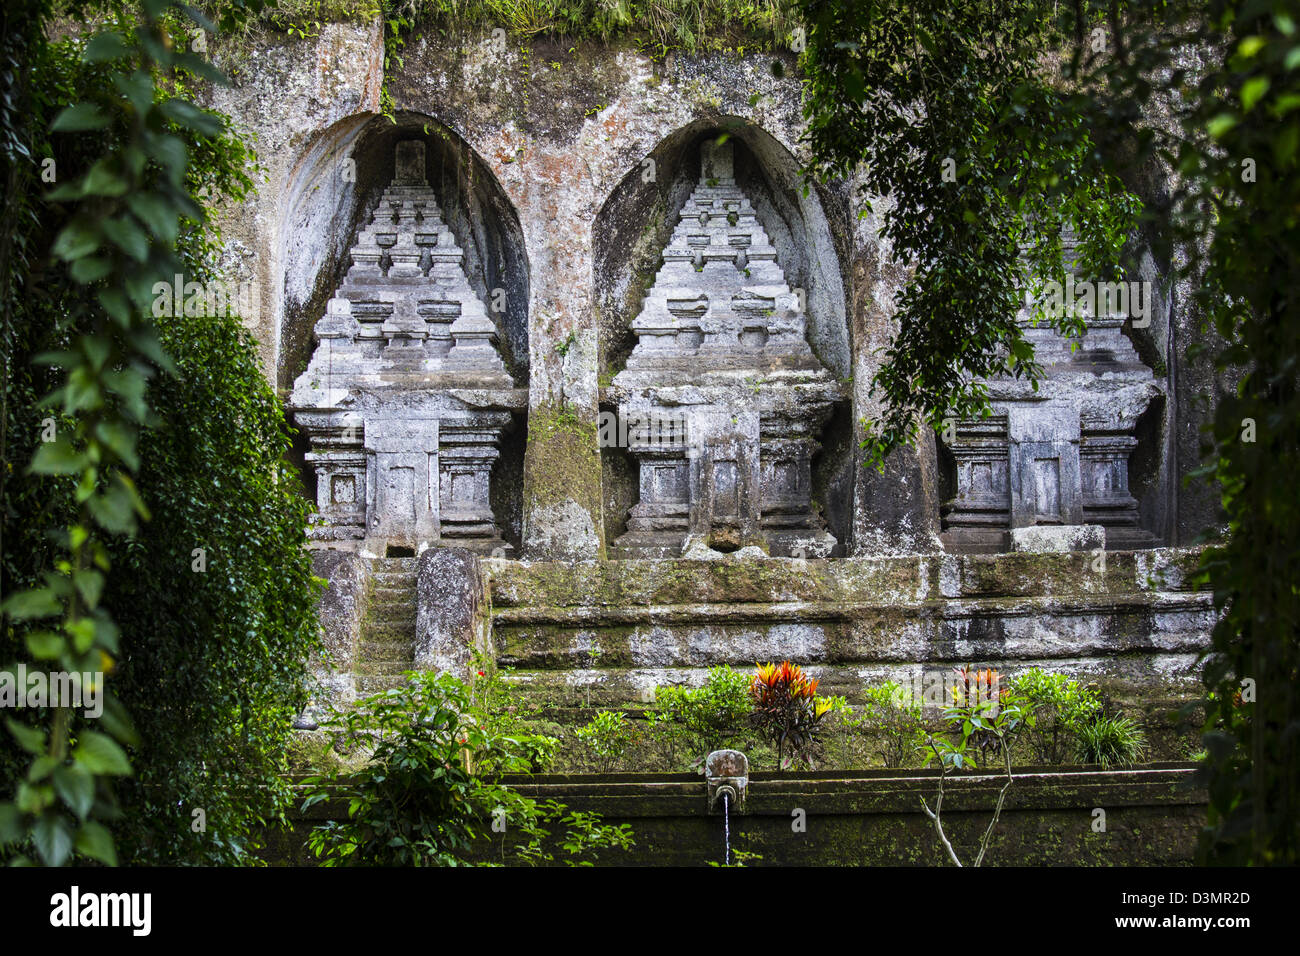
(608, 632)
(1147, 816)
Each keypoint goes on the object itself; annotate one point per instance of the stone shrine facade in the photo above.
(733, 321)
(406, 397)
(723, 395)
(1049, 470)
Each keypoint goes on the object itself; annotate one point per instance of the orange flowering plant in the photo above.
(787, 710)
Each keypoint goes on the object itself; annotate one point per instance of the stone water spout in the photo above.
(727, 775)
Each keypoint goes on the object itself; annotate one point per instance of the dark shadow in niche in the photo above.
(635, 224)
(507, 480)
(1144, 470)
(833, 474)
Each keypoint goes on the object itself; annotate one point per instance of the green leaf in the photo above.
(159, 217)
(78, 238)
(80, 117)
(127, 236)
(101, 755)
(116, 508)
(82, 632)
(57, 457)
(52, 839)
(120, 439)
(1249, 46)
(1252, 90)
(115, 304)
(187, 114)
(94, 841)
(1221, 125)
(33, 604)
(103, 180)
(90, 269)
(76, 788)
(46, 645)
(42, 767)
(104, 47)
(30, 739)
(90, 585)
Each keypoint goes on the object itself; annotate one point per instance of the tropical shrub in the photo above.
(978, 697)
(431, 793)
(508, 714)
(1060, 705)
(787, 711)
(892, 718)
(607, 736)
(714, 713)
(985, 718)
(1111, 740)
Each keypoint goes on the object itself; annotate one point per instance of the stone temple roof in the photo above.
(405, 314)
(720, 303)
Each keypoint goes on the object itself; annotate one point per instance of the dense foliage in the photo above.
(430, 792)
(892, 719)
(1061, 706)
(938, 106)
(209, 662)
(661, 24)
(1043, 106)
(714, 714)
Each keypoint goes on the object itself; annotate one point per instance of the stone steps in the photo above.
(368, 684)
(388, 630)
(383, 667)
(387, 645)
(403, 614)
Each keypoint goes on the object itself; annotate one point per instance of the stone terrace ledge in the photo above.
(612, 630)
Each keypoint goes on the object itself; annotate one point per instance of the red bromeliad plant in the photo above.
(787, 710)
(977, 694)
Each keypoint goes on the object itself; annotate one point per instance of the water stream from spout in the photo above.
(726, 828)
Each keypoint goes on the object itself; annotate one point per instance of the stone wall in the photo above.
(1151, 817)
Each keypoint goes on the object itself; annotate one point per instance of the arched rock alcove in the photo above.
(335, 190)
(634, 226)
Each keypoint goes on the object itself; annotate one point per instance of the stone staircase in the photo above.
(387, 645)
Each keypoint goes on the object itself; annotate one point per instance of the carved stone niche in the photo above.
(406, 399)
(1050, 469)
(723, 397)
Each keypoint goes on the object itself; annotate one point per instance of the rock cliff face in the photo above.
(574, 310)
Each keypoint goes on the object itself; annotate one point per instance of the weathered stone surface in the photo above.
(400, 457)
(341, 610)
(563, 182)
(451, 610)
(873, 818)
(1071, 537)
(611, 631)
(723, 396)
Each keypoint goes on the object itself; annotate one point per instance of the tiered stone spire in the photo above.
(720, 300)
(400, 457)
(723, 396)
(406, 306)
